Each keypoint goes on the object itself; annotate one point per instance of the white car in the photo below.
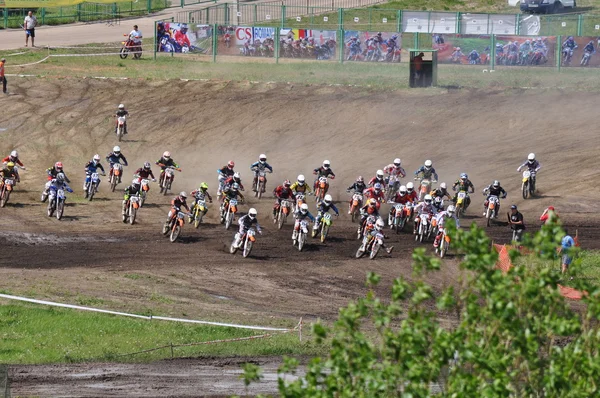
(542, 6)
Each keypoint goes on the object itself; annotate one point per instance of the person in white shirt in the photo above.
(136, 35)
(29, 25)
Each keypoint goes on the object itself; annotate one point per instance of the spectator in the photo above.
(549, 214)
(2, 77)
(565, 248)
(418, 62)
(29, 25)
(517, 223)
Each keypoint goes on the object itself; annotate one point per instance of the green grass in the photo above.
(40, 334)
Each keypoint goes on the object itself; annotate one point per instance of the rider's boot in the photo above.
(295, 235)
(388, 250)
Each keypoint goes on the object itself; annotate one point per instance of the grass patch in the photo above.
(36, 334)
(585, 267)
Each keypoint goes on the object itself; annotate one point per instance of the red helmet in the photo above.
(231, 164)
(58, 166)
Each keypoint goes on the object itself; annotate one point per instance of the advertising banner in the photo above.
(372, 46)
(525, 51)
(305, 43)
(183, 38)
(583, 54)
(462, 49)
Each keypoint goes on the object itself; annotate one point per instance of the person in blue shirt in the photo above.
(90, 168)
(565, 249)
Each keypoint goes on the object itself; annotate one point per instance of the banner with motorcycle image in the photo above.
(583, 54)
(523, 51)
(246, 41)
(372, 46)
(462, 49)
(307, 43)
(183, 38)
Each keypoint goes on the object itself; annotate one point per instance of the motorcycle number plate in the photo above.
(525, 179)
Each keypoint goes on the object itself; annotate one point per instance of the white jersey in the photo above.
(443, 216)
(136, 36)
(423, 207)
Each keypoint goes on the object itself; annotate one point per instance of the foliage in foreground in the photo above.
(516, 335)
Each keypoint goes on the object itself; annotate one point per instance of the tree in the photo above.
(515, 335)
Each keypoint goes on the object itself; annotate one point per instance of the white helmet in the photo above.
(410, 186)
(531, 157)
(326, 164)
(236, 175)
(428, 199)
(402, 190)
(252, 213)
(397, 162)
(262, 158)
(121, 106)
(379, 173)
(301, 179)
(379, 225)
(135, 181)
(450, 209)
(327, 199)
(166, 154)
(443, 185)
(304, 208)
(428, 164)
(182, 195)
(14, 154)
(117, 149)
(96, 158)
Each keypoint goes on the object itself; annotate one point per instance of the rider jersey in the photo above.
(473, 55)
(370, 210)
(358, 187)
(178, 203)
(226, 172)
(131, 190)
(570, 44)
(535, 166)
(135, 36)
(52, 173)
(427, 173)
(376, 180)
(229, 194)
(246, 222)
(231, 180)
(143, 173)
(393, 170)
(439, 193)
(443, 216)
(463, 185)
(324, 208)
(282, 192)
(6, 173)
(297, 188)
(92, 167)
(122, 112)
(12, 159)
(201, 194)
(370, 193)
(589, 48)
(113, 158)
(166, 163)
(258, 166)
(424, 207)
(495, 191)
(402, 199)
(323, 172)
(299, 216)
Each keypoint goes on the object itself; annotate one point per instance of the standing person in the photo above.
(136, 36)
(418, 62)
(29, 25)
(549, 214)
(517, 223)
(565, 249)
(2, 77)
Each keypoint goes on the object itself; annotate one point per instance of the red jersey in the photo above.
(402, 199)
(282, 192)
(182, 38)
(376, 180)
(11, 159)
(370, 193)
(144, 174)
(370, 210)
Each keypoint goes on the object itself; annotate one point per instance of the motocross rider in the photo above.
(323, 207)
(401, 197)
(359, 186)
(525, 47)
(300, 216)
(300, 186)
(569, 45)
(91, 167)
(412, 194)
(541, 47)
(457, 54)
(246, 222)
(532, 165)
(473, 57)
(201, 194)
(375, 192)
(52, 173)
(58, 183)
(229, 193)
(441, 219)
(463, 184)
(589, 48)
(234, 178)
(177, 203)
(392, 44)
(121, 111)
(164, 162)
(424, 208)
(8, 171)
(379, 225)
(115, 157)
(282, 192)
(441, 192)
(370, 209)
(261, 165)
(427, 171)
(395, 170)
(145, 172)
(494, 189)
(224, 173)
(131, 190)
(377, 179)
(323, 171)
(14, 157)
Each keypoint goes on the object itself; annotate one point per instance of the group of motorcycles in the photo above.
(307, 48)
(374, 52)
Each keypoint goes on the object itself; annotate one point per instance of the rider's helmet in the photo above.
(372, 202)
(252, 213)
(379, 34)
(531, 158)
(428, 199)
(428, 164)
(327, 199)
(496, 184)
(96, 159)
(326, 164)
(394, 37)
(397, 162)
(14, 154)
(450, 210)
(236, 177)
(301, 180)
(463, 176)
(230, 164)
(410, 186)
(379, 225)
(527, 41)
(304, 208)
(184, 28)
(204, 186)
(117, 150)
(60, 177)
(167, 155)
(457, 48)
(10, 165)
(570, 38)
(147, 166)
(182, 195)
(379, 174)
(262, 158)
(135, 182)
(287, 183)
(377, 187)
(516, 43)
(58, 166)
(443, 185)
(360, 179)
(235, 186)
(121, 106)
(402, 190)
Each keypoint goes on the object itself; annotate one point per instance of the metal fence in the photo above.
(306, 16)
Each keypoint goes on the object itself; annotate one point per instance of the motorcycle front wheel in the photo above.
(175, 233)
(374, 251)
(123, 53)
(525, 189)
(132, 215)
(60, 208)
(247, 249)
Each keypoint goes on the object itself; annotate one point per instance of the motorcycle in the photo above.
(228, 211)
(492, 208)
(285, 209)
(369, 221)
(322, 188)
(424, 228)
(121, 120)
(6, 188)
(92, 186)
(198, 212)
(132, 209)
(300, 199)
(166, 179)
(247, 240)
(444, 244)
(144, 189)
(538, 58)
(585, 58)
(115, 176)
(173, 227)
(261, 182)
(56, 202)
(528, 184)
(322, 227)
(567, 55)
(300, 235)
(424, 188)
(401, 215)
(130, 47)
(461, 199)
(355, 205)
(370, 244)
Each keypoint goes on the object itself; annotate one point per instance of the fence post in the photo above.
(283, 17)
(277, 44)
(214, 42)
(254, 23)
(558, 52)
(226, 13)
(416, 40)
(493, 52)
(399, 21)
(580, 25)
(182, 3)
(44, 15)
(458, 14)
(5, 18)
(341, 45)
(341, 19)
(155, 38)
(518, 24)
(78, 12)
(370, 15)
(149, 5)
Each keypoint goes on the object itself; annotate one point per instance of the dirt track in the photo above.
(204, 124)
